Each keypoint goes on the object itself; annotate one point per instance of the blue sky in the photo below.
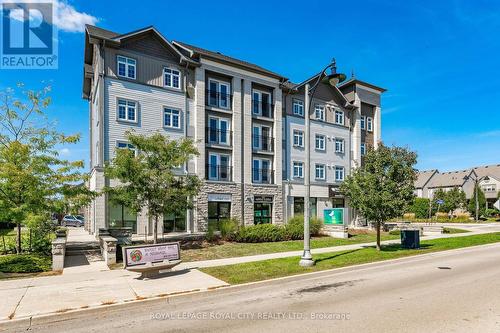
(438, 60)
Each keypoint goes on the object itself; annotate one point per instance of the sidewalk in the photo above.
(93, 284)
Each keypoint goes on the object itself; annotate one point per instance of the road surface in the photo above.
(454, 291)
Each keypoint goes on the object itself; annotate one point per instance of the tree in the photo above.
(382, 188)
(148, 179)
(452, 200)
(420, 207)
(481, 200)
(34, 180)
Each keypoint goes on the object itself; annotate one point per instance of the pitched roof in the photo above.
(449, 179)
(488, 170)
(423, 177)
(221, 57)
(100, 32)
(335, 88)
(362, 83)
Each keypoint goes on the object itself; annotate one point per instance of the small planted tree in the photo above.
(150, 177)
(382, 188)
(34, 180)
(481, 202)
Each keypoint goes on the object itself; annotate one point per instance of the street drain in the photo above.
(444, 267)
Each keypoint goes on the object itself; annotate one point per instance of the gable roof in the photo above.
(195, 50)
(488, 170)
(335, 89)
(449, 179)
(423, 177)
(354, 80)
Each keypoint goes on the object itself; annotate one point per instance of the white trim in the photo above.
(260, 93)
(218, 128)
(316, 171)
(322, 109)
(316, 136)
(220, 83)
(179, 120)
(341, 141)
(127, 64)
(300, 134)
(342, 169)
(369, 124)
(300, 165)
(126, 119)
(299, 103)
(335, 116)
(172, 75)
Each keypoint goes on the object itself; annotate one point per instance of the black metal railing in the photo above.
(262, 143)
(263, 176)
(262, 108)
(218, 99)
(216, 136)
(218, 172)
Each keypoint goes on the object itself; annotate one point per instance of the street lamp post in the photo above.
(332, 79)
(476, 191)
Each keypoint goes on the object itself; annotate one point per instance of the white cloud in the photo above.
(64, 152)
(66, 17)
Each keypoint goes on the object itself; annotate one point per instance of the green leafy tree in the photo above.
(420, 207)
(382, 188)
(34, 180)
(148, 179)
(481, 200)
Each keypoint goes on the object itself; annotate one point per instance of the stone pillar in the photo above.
(108, 249)
(377, 126)
(58, 253)
(356, 134)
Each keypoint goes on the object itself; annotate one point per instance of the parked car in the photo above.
(80, 217)
(71, 220)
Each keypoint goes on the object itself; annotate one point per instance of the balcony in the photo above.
(262, 176)
(218, 100)
(214, 136)
(262, 109)
(218, 172)
(262, 143)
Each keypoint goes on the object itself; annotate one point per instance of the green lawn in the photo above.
(208, 251)
(268, 269)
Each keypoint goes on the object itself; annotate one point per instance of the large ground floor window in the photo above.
(298, 206)
(263, 210)
(218, 211)
(174, 222)
(338, 203)
(120, 216)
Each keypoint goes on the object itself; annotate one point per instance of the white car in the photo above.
(71, 220)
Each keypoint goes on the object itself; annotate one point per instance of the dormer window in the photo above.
(126, 67)
(172, 78)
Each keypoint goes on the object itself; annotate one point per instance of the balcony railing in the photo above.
(262, 109)
(218, 172)
(218, 99)
(263, 143)
(216, 136)
(262, 176)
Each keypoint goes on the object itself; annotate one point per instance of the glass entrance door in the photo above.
(217, 212)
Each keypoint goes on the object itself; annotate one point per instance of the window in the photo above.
(298, 138)
(171, 118)
(339, 173)
(363, 149)
(126, 67)
(339, 117)
(320, 171)
(171, 78)
(218, 131)
(261, 171)
(127, 110)
(369, 124)
(261, 138)
(298, 170)
(120, 216)
(261, 104)
(320, 142)
(125, 145)
(298, 107)
(219, 94)
(218, 167)
(339, 145)
(363, 122)
(319, 112)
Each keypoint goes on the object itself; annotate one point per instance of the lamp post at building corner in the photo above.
(476, 191)
(332, 79)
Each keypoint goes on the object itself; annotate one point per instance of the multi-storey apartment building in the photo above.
(248, 143)
(345, 122)
(142, 82)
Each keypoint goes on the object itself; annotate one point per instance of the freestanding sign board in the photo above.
(497, 204)
(144, 254)
(333, 216)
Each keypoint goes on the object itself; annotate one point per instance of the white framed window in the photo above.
(219, 94)
(339, 173)
(363, 149)
(369, 124)
(171, 118)
(339, 145)
(320, 142)
(219, 167)
(171, 78)
(262, 138)
(363, 122)
(298, 138)
(261, 103)
(126, 67)
(298, 170)
(127, 110)
(261, 170)
(339, 117)
(319, 112)
(218, 130)
(320, 171)
(298, 107)
(126, 145)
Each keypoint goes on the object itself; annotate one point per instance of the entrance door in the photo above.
(217, 212)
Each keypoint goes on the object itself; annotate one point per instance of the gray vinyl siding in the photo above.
(328, 157)
(368, 97)
(150, 103)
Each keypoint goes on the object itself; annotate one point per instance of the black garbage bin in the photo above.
(410, 239)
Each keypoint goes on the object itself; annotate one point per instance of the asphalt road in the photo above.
(454, 291)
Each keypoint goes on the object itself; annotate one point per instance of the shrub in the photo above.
(228, 228)
(395, 232)
(210, 235)
(491, 212)
(420, 207)
(315, 224)
(260, 233)
(25, 263)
